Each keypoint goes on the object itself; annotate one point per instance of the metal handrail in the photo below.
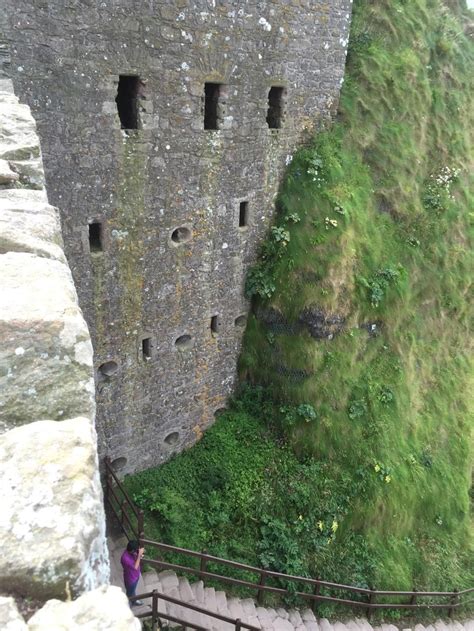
(453, 599)
(155, 614)
(314, 597)
(123, 503)
(110, 470)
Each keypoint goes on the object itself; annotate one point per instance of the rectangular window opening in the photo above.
(243, 214)
(212, 93)
(147, 348)
(275, 107)
(95, 236)
(127, 101)
(215, 324)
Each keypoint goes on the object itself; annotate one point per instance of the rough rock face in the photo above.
(46, 352)
(20, 154)
(321, 325)
(29, 224)
(104, 609)
(10, 619)
(51, 521)
(52, 517)
(7, 176)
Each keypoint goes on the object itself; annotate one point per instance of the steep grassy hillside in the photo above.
(352, 457)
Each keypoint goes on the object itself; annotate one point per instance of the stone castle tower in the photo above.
(165, 129)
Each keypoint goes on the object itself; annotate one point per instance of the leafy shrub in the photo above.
(379, 282)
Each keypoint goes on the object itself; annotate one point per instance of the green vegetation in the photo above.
(352, 459)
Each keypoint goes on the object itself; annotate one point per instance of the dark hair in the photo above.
(132, 545)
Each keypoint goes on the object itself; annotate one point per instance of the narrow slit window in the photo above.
(212, 94)
(147, 348)
(275, 107)
(243, 214)
(95, 236)
(215, 324)
(127, 101)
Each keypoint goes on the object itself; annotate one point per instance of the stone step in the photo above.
(139, 609)
(363, 624)
(248, 605)
(254, 621)
(210, 599)
(271, 613)
(282, 613)
(177, 611)
(325, 625)
(220, 625)
(185, 591)
(235, 608)
(168, 580)
(295, 618)
(308, 616)
(221, 600)
(282, 624)
(198, 591)
(150, 579)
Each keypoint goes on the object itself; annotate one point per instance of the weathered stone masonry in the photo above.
(52, 520)
(178, 209)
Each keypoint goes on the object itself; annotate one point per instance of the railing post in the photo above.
(202, 567)
(371, 601)
(413, 598)
(122, 509)
(107, 478)
(154, 611)
(453, 603)
(261, 584)
(316, 592)
(238, 625)
(140, 528)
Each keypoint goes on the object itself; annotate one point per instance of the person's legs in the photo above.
(131, 591)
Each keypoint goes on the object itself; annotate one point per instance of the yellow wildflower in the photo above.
(320, 525)
(334, 526)
(377, 468)
(388, 479)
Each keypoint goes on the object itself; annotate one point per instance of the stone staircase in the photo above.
(265, 618)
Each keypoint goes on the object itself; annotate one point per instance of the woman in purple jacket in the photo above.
(130, 561)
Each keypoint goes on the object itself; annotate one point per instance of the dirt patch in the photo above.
(320, 324)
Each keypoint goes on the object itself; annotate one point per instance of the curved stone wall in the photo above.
(161, 222)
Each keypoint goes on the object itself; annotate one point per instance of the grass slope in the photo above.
(354, 459)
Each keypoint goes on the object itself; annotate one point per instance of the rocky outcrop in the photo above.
(20, 152)
(46, 352)
(104, 609)
(52, 523)
(10, 619)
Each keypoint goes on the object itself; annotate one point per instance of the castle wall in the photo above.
(134, 281)
(52, 522)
